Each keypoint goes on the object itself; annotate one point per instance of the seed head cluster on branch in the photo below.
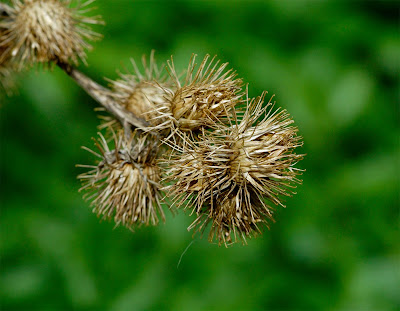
(189, 140)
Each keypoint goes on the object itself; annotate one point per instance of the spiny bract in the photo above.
(208, 95)
(141, 93)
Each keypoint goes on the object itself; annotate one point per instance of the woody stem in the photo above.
(104, 97)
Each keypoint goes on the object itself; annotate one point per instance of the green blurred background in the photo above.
(333, 65)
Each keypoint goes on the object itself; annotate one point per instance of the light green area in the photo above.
(333, 65)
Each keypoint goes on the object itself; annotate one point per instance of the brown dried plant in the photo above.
(227, 176)
(6, 64)
(140, 92)
(48, 30)
(206, 96)
(6, 79)
(198, 137)
(124, 185)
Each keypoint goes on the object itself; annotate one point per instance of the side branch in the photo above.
(103, 96)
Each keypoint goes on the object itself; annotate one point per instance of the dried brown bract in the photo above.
(227, 176)
(226, 158)
(141, 93)
(6, 80)
(125, 183)
(48, 30)
(5, 72)
(5, 47)
(208, 95)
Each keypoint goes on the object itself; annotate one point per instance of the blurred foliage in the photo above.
(334, 65)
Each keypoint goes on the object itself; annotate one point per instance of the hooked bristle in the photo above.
(207, 96)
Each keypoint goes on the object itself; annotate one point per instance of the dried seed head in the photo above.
(227, 176)
(125, 184)
(207, 95)
(141, 93)
(48, 30)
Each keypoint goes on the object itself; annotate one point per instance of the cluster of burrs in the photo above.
(191, 140)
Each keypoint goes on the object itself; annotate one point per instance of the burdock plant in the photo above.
(229, 174)
(125, 183)
(192, 140)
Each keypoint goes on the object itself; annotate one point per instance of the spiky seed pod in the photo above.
(48, 30)
(125, 183)
(228, 176)
(141, 93)
(208, 95)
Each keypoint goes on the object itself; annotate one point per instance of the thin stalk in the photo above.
(103, 96)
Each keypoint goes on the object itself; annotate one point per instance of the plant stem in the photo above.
(104, 97)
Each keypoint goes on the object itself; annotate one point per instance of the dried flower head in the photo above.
(125, 184)
(207, 96)
(227, 176)
(140, 93)
(48, 30)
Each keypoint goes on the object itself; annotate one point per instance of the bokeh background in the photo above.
(333, 65)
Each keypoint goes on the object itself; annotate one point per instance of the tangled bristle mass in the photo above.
(125, 183)
(229, 175)
(195, 135)
(48, 31)
(207, 96)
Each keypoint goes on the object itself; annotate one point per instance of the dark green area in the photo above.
(333, 65)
